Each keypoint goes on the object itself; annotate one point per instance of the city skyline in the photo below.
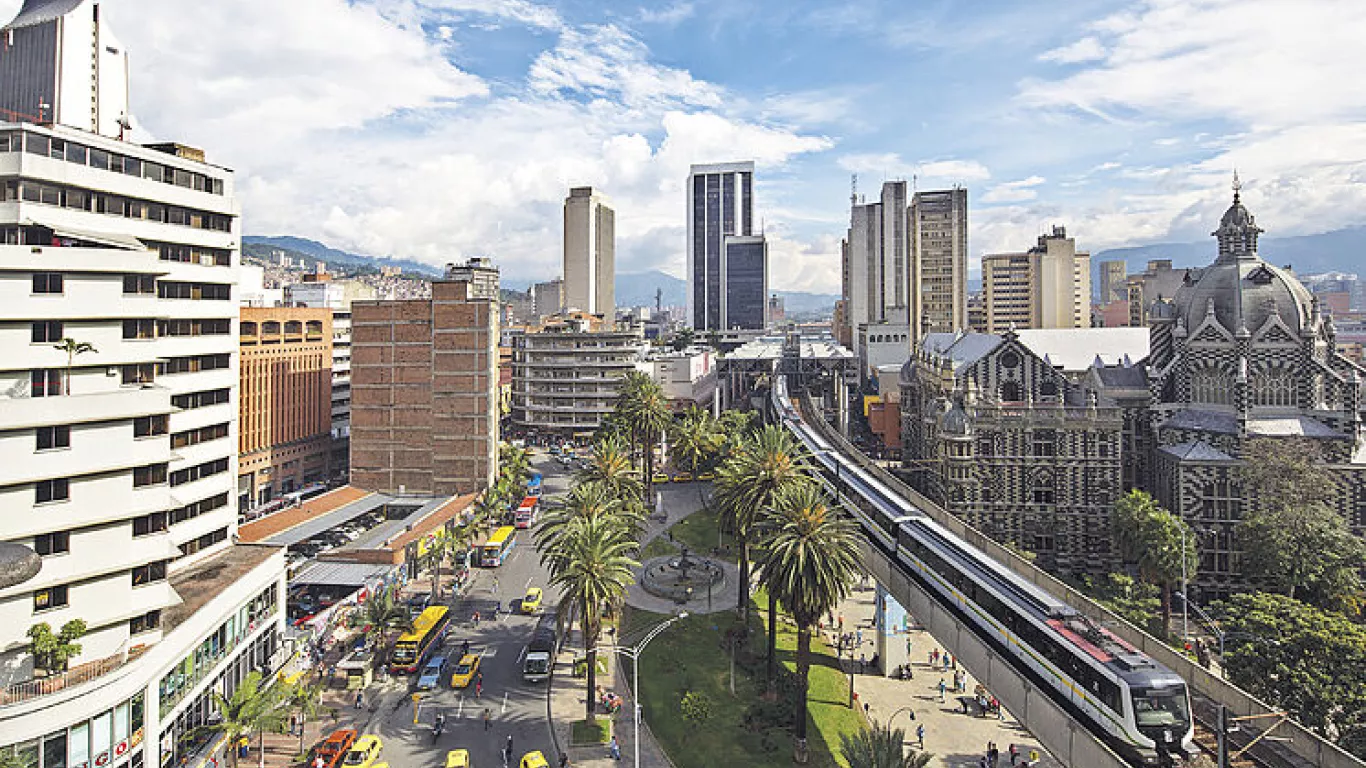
(635, 97)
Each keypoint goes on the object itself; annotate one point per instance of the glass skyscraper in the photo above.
(721, 206)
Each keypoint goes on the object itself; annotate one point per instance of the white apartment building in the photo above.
(118, 459)
(687, 377)
(566, 378)
(589, 253)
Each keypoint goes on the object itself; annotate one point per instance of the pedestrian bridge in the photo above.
(1069, 740)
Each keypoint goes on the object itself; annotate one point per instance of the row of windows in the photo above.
(151, 426)
(61, 149)
(158, 522)
(145, 623)
(191, 254)
(54, 543)
(151, 474)
(30, 191)
(203, 542)
(196, 291)
(198, 472)
(201, 435)
(272, 327)
(195, 364)
(212, 327)
(200, 399)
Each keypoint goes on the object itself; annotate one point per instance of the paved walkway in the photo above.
(956, 740)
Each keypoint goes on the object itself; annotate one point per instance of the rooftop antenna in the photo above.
(1237, 185)
(853, 189)
(915, 179)
(659, 299)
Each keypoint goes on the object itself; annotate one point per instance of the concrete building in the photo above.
(1113, 279)
(547, 299)
(880, 344)
(285, 402)
(566, 377)
(720, 205)
(777, 310)
(877, 256)
(337, 296)
(117, 463)
(688, 377)
(424, 390)
(938, 294)
(589, 253)
(480, 274)
(1048, 286)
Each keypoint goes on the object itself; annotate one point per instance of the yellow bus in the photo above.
(412, 649)
(493, 552)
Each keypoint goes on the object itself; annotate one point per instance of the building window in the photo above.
(203, 542)
(146, 574)
(1045, 442)
(46, 383)
(146, 525)
(199, 471)
(46, 491)
(150, 426)
(1010, 392)
(47, 331)
(139, 329)
(152, 474)
(47, 282)
(50, 598)
(1209, 385)
(201, 435)
(52, 438)
(1042, 491)
(55, 543)
(140, 373)
(1274, 387)
(139, 284)
(148, 622)
(200, 399)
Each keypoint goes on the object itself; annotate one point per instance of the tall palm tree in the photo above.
(252, 709)
(589, 501)
(304, 699)
(490, 506)
(514, 464)
(73, 349)
(880, 746)
(591, 565)
(377, 617)
(646, 409)
(810, 558)
(695, 441)
(762, 464)
(611, 468)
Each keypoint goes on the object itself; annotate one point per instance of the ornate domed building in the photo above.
(1244, 351)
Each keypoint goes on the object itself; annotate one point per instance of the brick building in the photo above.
(424, 391)
(285, 438)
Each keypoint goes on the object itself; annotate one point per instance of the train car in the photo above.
(1137, 706)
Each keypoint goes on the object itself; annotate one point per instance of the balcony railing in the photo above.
(79, 675)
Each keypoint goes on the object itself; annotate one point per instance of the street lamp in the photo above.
(633, 652)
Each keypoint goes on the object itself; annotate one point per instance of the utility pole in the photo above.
(1221, 756)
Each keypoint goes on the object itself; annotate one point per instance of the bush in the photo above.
(696, 707)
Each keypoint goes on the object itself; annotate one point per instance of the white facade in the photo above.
(589, 253)
(687, 377)
(566, 379)
(879, 259)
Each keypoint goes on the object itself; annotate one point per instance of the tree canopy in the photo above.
(1153, 538)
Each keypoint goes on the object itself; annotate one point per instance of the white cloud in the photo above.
(518, 11)
(606, 62)
(673, 14)
(1013, 191)
(1085, 49)
(928, 172)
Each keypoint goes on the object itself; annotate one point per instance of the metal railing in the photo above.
(46, 686)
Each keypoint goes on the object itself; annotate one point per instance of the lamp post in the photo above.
(1185, 593)
(633, 653)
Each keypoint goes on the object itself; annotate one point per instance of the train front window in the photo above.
(1161, 707)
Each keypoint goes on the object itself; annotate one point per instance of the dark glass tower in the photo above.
(720, 205)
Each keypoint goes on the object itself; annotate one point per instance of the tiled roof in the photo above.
(1203, 421)
(1198, 450)
(1076, 349)
(1293, 426)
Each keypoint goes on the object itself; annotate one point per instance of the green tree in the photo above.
(490, 506)
(1134, 601)
(589, 501)
(1293, 541)
(305, 700)
(377, 617)
(646, 410)
(611, 468)
(73, 349)
(810, 559)
(19, 757)
(683, 339)
(53, 651)
(1308, 661)
(880, 746)
(514, 465)
(1152, 537)
(695, 443)
(590, 562)
(253, 709)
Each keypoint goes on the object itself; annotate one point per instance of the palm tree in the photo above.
(762, 464)
(378, 616)
(305, 699)
(810, 559)
(611, 467)
(1154, 538)
(253, 708)
(73, 348)
(646, 409)
(589, 501)
(514, 464)
(591, 565)
(490, 506)
(694, 442)
(880, 746)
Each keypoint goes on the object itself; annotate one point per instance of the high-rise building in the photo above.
(938, 293)
(744, 303)
(285, 432)
(878, 258)
(589, 253)
(1047, 286)
(479, 273)
(721, 205)
(1112, 282)
(61, 64)
(547, 298)
(424, 389)
(567, 377)
(118, 428)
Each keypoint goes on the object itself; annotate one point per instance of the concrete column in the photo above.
(893, 624)
(841, 404)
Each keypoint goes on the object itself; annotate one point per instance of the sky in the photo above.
(442, 129)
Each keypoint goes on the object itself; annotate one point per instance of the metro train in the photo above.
(1138, 707)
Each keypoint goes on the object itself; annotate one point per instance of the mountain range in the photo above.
(1342, 250)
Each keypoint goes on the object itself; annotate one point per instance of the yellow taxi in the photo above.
(534, 760)
(683, 477)
(465, 671)
(532, 602)
(706, 476)
(659, 477)
(458, 758)
(364, 753)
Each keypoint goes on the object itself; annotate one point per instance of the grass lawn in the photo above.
(692, 657)
(595, 731)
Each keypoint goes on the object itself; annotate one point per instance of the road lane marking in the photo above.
(505, 703)
(460, 710)
(521, 655)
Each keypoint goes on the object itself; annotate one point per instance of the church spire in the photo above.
(1238, 231)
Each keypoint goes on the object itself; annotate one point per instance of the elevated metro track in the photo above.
(1063, 723)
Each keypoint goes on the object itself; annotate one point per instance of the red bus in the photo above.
(525, 517)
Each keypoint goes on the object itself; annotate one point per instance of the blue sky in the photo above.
(437, 129)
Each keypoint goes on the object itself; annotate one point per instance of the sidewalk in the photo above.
(566, 700)
(955, 739)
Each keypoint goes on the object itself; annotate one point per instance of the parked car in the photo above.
(334, 747)
(534, 760)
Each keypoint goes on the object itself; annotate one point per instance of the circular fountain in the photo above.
(682, 577)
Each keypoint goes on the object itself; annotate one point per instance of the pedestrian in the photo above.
(479, 687)
(954, 662)
(934, 657)
(858, 635)
(564, 759)
(982, 762)
(318, 762)
(993, 755)
(509, 747)
(841, 622)
(1014, 754)
(942, 688)
(614, 749)
(360, 699)
(862, 662)
(866, 707)
(908, 647)
(920, 736)
(488, 718)
(947, 660)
